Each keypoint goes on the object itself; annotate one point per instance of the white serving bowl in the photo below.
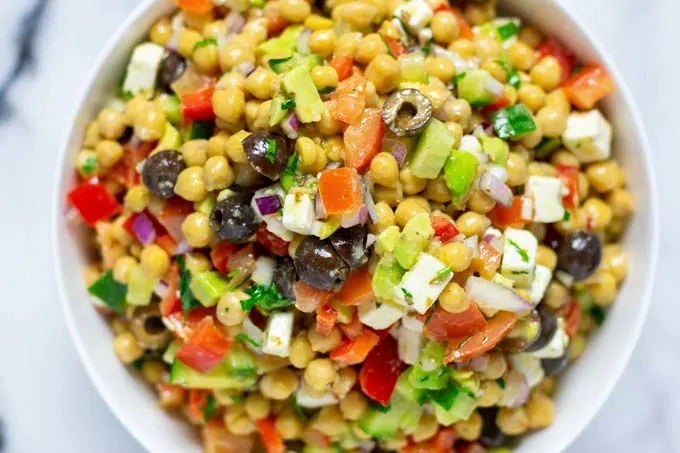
(583, 388)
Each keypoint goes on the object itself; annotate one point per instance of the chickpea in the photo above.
(257, 406)
(459, 111)
(126, 348)
(347, 44)
(614, 261)
(197, 262)
(320, 374)
(215, 29)
(557, 99)
(453, 127)
(564, 157)
(384, 72)
(108, 152)
(354, 405)
(512, 422)
(604, 176)
(153, 371)
(480, 202)
(289, 425)
(267, 363)
(234, 147)
(161, 31)
(155, 260)
(496, 70)
(347, 377)
(232, 80)
(330, 421)
(411, 183)
(217, 174)
(472, 224)
(479, 13)
(556, 295)
(437, 190)
(170, 397)
(388, 195)
(453, 299)
(542, 169)
(258, 27)
(532, 96)
(322, 42)
(441, 68)
(445, 27)
(384, 170)
(196, 229)
(597, 212)
(370, 47)
(279, 384)
(229, 309)
(325, 77)
(229, 105)
(583, 186)
(237, 421)
(301, 352)
(547, 73)
(546, 386)
(150, 123)
(92, 135)
(540, 411)
(206, 59)
(602, 286)
(194, 152)
(553, 121)
(463, 47)
(577, 346)
(530, 35)
(330, 127)
(312, 156)
(190, 185)
(487, 47)
(259, 83)
(469, 429)
(111, 123)
(406, 210)
(497, 366)
(533, 138)
(491, 394)
(456, 255)
(621, 202)
(324, 343)
(122, 267)
(521, 56)
(295, 11)
(186, 42)
(546, 257)
(316, 22)
(358, 14)
(385, 217)
(137, 198)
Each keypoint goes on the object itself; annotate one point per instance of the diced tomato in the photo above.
(275, 25)
(242, 261)
(569, 177)
(271, 242)
(195, 6)
(349, 99)
(171, 303)
(174, 212)
(355, 350)
(167, 243)
(354, 328)
(468, 347)
(465, 29)
(340, 190)
(564, 57)
(125, 171)
(444, 229)
(487, 262)
(503, 217)
(183, 324)
(308, 298)
(442, 442)
(93, 202)
(572, 317)
(395, 46)
(444, 325)
(379, 373)
(198, 106)
(205, 348)
(501, 102)
(198, 398)
(326, 317)
(271, 439)
(357, 289)
(216, 439)
(363, 140)
(342, 65)
(220, 255)
(589, 86)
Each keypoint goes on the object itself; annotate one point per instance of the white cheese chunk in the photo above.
(529, 366)
(142, 71)
(279, 331)
(542, 277)
(588, 136)
(263, 272)
(557, 345)
(305, 398)
(415, 14)
(519, 256)
(410, 343)
(380, 315)
(422, 285)
(546, 192)
(298, 213)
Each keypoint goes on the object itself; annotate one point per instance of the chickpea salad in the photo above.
(353, 226)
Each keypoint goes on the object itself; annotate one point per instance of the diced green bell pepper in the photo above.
(201, 130)
(413, 240)
(208, 286)
(460, 172)
(109, 291)
(513, 121)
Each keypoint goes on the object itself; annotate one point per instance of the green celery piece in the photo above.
(109, 291)
(387, 240)
(172, 107)
(433, 147)
(460, 172)
(308, 104)
(208, 286)
(472, 88)
(513, 121)
(497, 150)
(387, 275)
(284, 44)
(140, 287)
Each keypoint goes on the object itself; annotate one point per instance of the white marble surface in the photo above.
(47, 403)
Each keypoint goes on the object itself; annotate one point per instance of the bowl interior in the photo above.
(583, 388)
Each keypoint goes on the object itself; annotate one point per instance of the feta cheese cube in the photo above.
(422, 285)
(529, 366)
(470, 144)
(142, 71)
(588, 136)
(298, 213)
(557, 345)
(519, 256)
(546, 192)
(380, 315)
(263, 272)
(415, 14)
(542, 277)
(305, 398)
(279, 331)
(410, 343)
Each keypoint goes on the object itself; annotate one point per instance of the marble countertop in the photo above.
(47, 403)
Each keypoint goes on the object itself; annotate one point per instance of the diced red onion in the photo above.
(479, 363)
(399, 153)
(319, 208)
(472, 243)
(516, 391)
(268, 204)
(370, 239)
(498, 171)
(496, 189)
(491, 295)
(234, 22)
(144, 230)
(177, 25)
(183, 247)
(494, 241)
(331, 165)
(493, 86)
(359, 216)
(246, 68)
(303, 41)
(368, 199)
(161, 289)
(290, 125)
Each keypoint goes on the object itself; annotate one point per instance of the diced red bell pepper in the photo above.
(349, 99)
(340, 190)
(468, 347)
(564, 57)
(357, 289)
(379, 373)
(205, 348)
(354, 328)
(487, 261)
(465, 29)
(308, 298)
(198, 106)
(326, 317)
(444, 325)
(589, 86)
(171, 303)
(503, 217)
(271, 439)
(195, 6)
(569, 177)
(93, 202)
(444, 229)
(395, 46)
(174, 212)
(271, 242)
(342, 65)
(355, 350)
(501, 102)
(183, 324)
(167, 243)
(198, 398)
(572, 317)
(275, 25)
(220, 255)
(442, 442)
(364, 139)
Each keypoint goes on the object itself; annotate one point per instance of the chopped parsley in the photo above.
(209, 408)
(288, 174)
(326, 90)
(459, 77)
(407, 295)
(189, 301)
(567, 216)
(520, 272)
(379, 407)
(234, 273)
(501, 383)
(128, 95)
(389, 48)
(89, 166)
(271, 148)
(427, 48)
(246, 339)
(298, 409)
(288, 104)
(237, 399)
(514, 79)
(265, 298)
(597, 314)
(137, 364)
(442, 274)
(520, 250)
(508, 30)
(205, 42)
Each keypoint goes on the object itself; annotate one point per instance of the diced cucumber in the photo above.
(208, 286)
(430, 373)
(547, 147)
(387, 275)
(201, 130)
(282, 45)
(460, 172)
(276, 112)
(387, 240)
(409, 422)
(454, 400)
(497, 150)
(170, 352)
(419, 228)
(413, 240)
(384, 423)
(240, 361)
(444, 417)
(513, 121)
(473, 87)
(308, 104)
(433, 147)
(408, 391)
(172, 107)
(206, 205)
(217, 378)
(281, 65)
(406, 252)
(140, 287)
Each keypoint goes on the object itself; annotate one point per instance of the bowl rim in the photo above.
(147, 439)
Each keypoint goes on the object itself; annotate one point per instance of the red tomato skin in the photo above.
(444, 229)
(364, 140)
(205, 348)
(572, 318)
(308, 299)
(569, 177)
(93, 202)
(343, 66)
(379, 374)
(198, 106)
(566, 59)
(271, 242)
(326, 317)
(220, 255)
(444, 325)
(171, 303)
